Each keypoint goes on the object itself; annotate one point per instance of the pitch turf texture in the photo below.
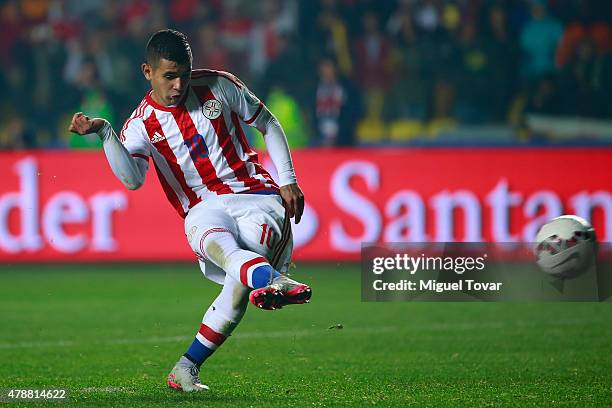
(110, 334)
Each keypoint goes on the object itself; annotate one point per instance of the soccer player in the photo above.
(236, 216)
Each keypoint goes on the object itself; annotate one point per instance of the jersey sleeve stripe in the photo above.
(140, 156)
(202, 73)
(139, 112)
(249, 121)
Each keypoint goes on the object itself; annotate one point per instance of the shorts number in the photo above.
(266, 235)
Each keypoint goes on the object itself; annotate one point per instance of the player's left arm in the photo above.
(253, 112)
(278, 148)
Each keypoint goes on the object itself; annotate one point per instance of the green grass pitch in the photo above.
(110, 334)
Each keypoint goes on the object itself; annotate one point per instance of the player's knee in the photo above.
(217, 245)
(214, 252)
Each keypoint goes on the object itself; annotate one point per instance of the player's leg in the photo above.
(282, 290)
(250, 268)
(219, 321)
(212, 234)
(264, 228)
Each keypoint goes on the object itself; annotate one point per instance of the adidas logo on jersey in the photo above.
(157, 137)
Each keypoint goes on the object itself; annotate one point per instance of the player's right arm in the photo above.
(129, 170)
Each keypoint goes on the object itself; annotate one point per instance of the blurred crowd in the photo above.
(335, 72)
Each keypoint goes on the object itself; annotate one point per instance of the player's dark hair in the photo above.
(168, 44)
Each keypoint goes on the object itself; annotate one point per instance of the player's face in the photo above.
(169, 81)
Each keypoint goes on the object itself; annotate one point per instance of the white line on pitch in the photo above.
(299, 333)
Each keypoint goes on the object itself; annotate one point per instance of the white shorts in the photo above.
(257, 222)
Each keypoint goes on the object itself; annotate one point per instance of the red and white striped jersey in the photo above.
(198, 147)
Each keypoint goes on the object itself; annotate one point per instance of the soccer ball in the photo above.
(566, 246)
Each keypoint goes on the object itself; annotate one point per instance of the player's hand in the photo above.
(83, 125)
(294, 201)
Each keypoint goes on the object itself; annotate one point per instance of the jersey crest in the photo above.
(212, 109)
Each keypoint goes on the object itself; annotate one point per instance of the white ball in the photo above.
(566, 246)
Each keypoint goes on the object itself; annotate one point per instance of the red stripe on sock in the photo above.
(211, 335)
(244, 278)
